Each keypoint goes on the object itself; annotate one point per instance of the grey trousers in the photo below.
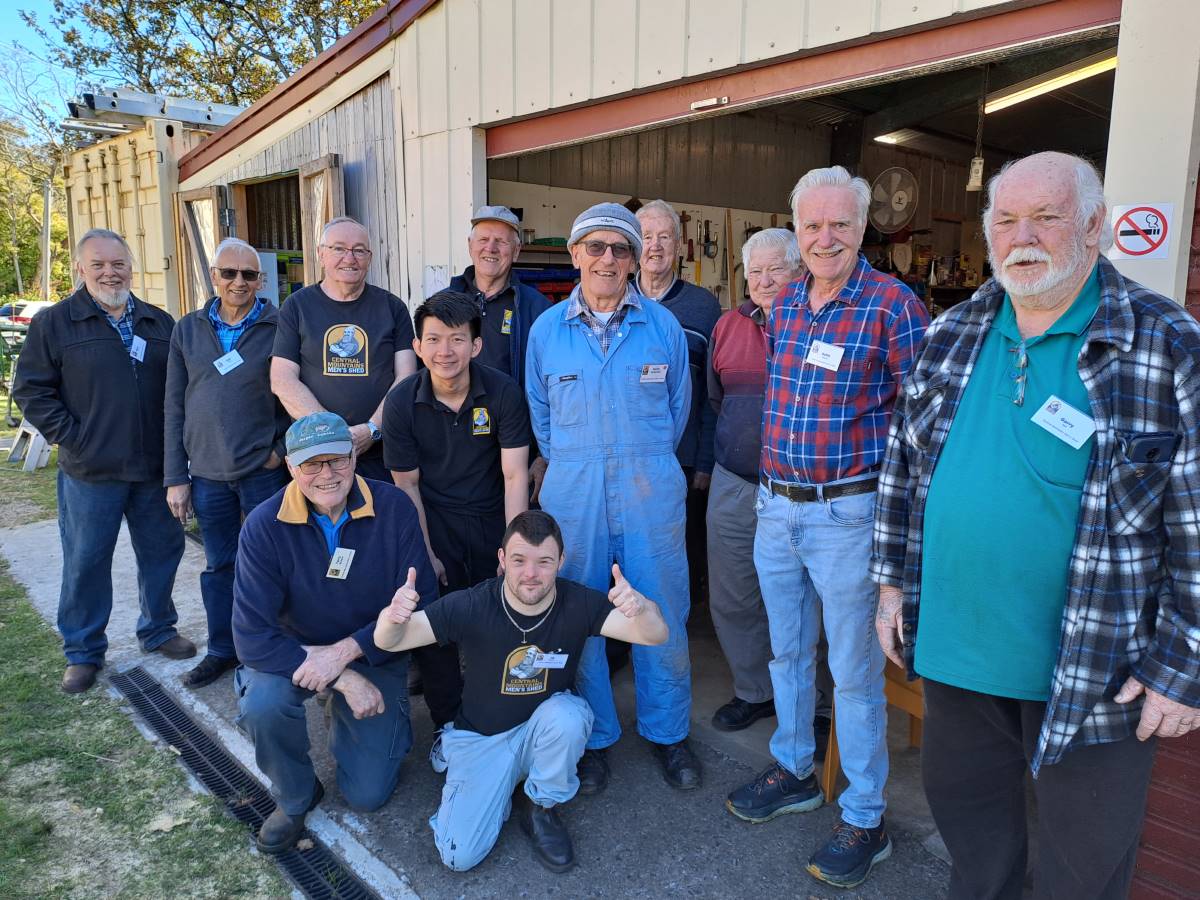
(735, 600)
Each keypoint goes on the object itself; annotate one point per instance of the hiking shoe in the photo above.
(738, 714)
(550, 838)
(281, 831)
(177, 647)
(592, 770)
(775, 792)
(79, 677)
(849, 854)
(680, 767)
(209, 670)
(436, 760)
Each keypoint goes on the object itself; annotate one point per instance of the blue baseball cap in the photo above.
(319, 434)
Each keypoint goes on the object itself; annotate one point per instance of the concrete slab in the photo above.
(640, 839)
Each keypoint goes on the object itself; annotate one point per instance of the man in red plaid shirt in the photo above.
(840, 342)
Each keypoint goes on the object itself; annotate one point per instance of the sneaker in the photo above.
(592, 770)
(775, 792)
(849, 854)
(436, 760)
(738, 714)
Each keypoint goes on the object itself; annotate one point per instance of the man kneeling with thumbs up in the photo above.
(315, 565)
(520, 636)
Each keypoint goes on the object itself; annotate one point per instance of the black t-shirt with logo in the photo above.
(502, 686)
(496, 324)
(345, 350)
(457, 453)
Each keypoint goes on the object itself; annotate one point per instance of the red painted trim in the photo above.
(371, 34)
(819, 69)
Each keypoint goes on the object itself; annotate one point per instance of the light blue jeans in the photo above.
(816, 553)
(483, 769)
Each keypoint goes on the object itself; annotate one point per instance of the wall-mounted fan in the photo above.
(893, 199)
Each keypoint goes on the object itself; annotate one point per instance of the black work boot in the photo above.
(592, 771)
(681, 769)
(738, 714)
(281, 831)
(549, 836)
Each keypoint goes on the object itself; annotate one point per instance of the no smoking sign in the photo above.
(1140, 231)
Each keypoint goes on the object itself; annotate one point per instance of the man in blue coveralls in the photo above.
(609, 397)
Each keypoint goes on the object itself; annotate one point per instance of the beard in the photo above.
(112, 298)
(1030, 293)
(530, 595)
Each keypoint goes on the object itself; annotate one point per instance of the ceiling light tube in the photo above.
(1051, 81)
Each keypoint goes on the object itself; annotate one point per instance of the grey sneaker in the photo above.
(436, 760)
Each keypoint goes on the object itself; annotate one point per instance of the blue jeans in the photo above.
(89, 520)
(220, 507)
(812, 557)
(368, 751)
(483, 770)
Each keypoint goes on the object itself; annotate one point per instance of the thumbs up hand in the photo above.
(624, 597)
(405, 600)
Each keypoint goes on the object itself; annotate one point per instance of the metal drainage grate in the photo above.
(316, 872)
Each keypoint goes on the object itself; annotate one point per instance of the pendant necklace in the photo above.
(535, 626)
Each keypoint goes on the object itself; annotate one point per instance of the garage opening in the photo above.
(274, 226)
(913, 138)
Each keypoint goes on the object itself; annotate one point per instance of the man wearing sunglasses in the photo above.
(1037, 540)
(316, 565)
(342, 344)
(224, 432)
(609, 397)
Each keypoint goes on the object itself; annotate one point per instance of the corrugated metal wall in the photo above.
(361, 130)
(749, 161)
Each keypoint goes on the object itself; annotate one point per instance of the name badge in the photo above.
(550, 660)
(827, 356)
(137, 348)
(506, 324)
(1065, 422)
(339, 566)
(228, 362)
(654, 373)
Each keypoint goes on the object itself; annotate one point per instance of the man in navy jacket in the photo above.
(316, 564)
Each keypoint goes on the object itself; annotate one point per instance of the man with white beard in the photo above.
(92, 379)
(1037, 544)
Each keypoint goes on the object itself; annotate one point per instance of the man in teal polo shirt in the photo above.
(1037, 538)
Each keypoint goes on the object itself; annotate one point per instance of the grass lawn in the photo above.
(88, 807)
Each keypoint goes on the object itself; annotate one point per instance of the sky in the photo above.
(15, 33)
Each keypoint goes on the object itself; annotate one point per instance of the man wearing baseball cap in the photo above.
(316, 564)
(507, 306)
(609, 397)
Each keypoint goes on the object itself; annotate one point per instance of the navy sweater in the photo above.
(697, 311)
(282, 600)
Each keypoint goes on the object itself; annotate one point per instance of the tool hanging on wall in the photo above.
(729, 272)
(710, 246)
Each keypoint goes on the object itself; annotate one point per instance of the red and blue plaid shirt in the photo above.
(820, 425)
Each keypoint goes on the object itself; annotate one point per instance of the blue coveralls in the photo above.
(609, 431)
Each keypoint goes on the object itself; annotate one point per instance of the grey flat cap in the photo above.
(497, 214)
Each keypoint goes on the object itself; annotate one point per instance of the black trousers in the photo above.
(466, 545)
(1090, 806)
(696, 539)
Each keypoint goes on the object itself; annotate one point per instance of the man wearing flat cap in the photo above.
(315, 566)
(609, 397)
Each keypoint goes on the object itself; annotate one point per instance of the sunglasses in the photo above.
(597, 248)
(247, 274)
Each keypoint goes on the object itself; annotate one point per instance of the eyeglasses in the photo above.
(356, 252)
(597, 248)
(1018, 373)
(247, 274)
(314, 466)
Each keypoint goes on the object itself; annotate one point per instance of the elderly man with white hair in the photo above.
(839, 342)
(224, 431)
(91, 378)
(1037, 544)
(343, 343)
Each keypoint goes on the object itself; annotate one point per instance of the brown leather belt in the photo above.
(808, 493)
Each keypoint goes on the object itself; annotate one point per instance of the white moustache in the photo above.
(1027, 254)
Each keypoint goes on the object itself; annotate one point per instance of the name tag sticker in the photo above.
(1065, 422)
(228, 362)
(562, 378)
(654, 373)
(827, 356)
(550, 660)
(339, 566)
(506, 325)
(137, 348)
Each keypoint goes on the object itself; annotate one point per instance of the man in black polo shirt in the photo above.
(457, 442)
(341, 345)
(522, 636)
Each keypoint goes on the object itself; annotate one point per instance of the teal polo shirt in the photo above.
(1001, 514)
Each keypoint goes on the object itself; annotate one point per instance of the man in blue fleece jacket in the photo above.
(316, 564)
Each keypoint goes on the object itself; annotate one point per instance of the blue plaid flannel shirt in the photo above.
(228, 334)
(1133, 593)
(603, 331)
(123, 325)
